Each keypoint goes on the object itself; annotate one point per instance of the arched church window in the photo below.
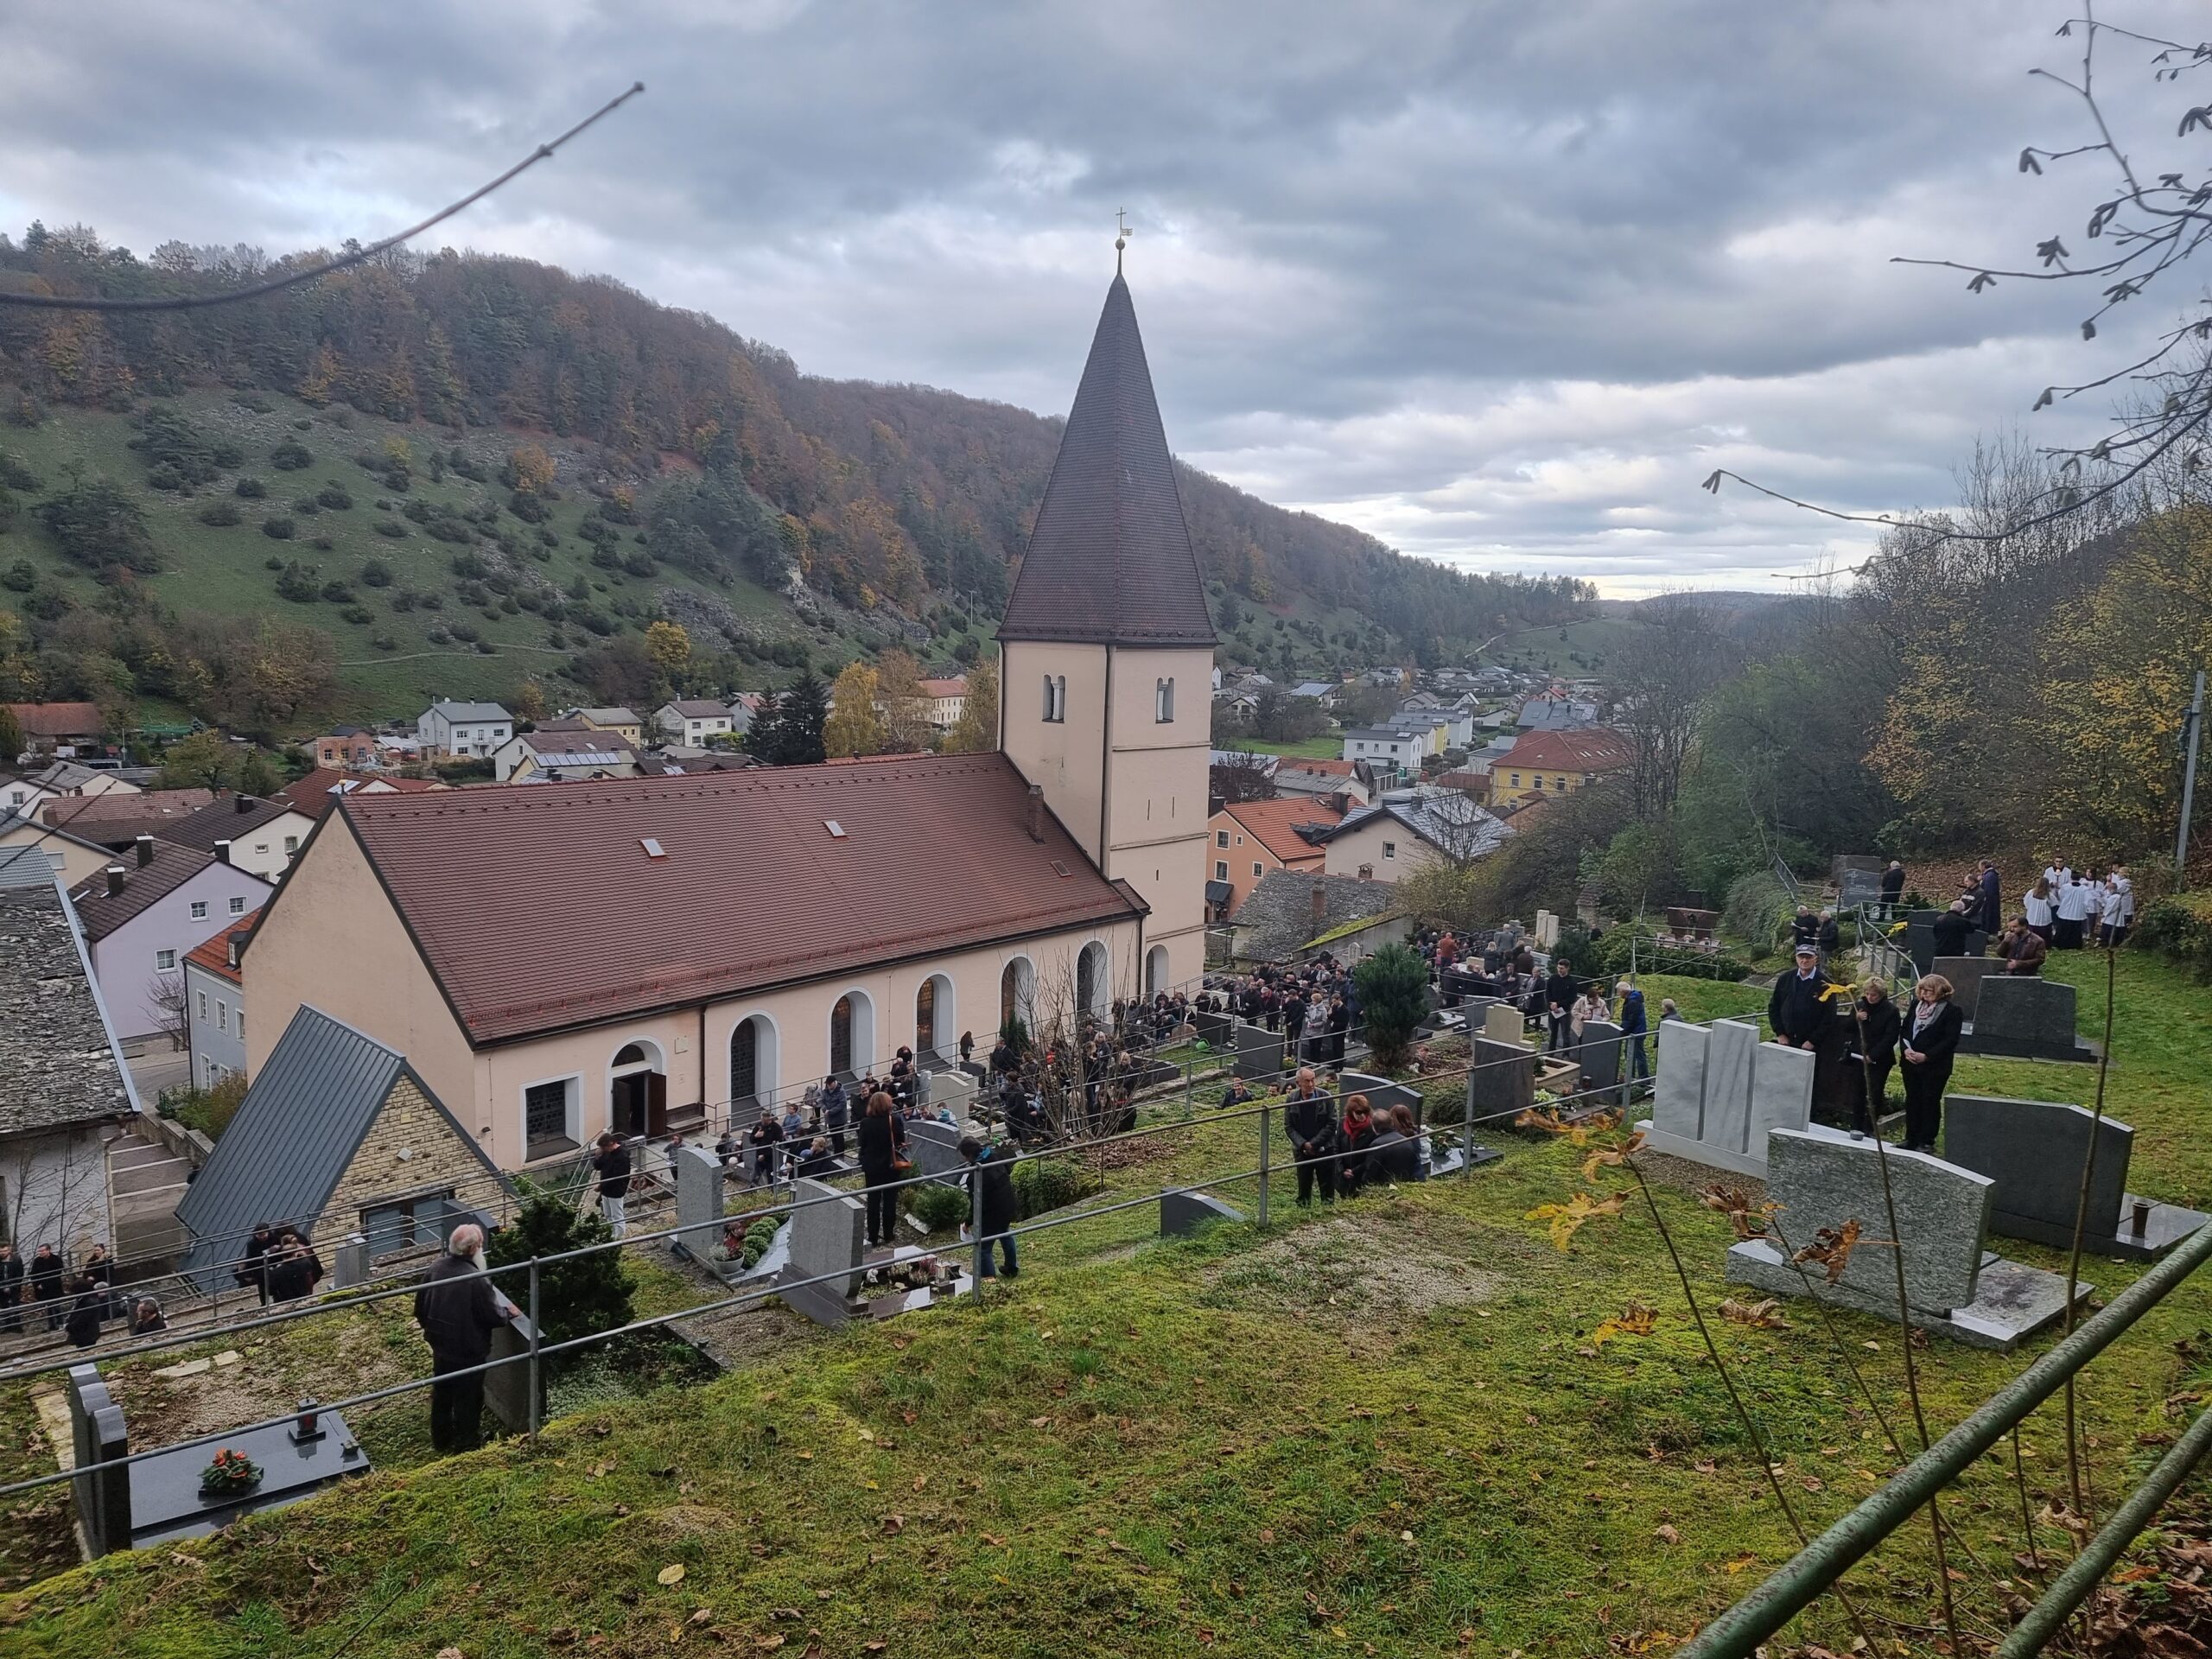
(1056, 697)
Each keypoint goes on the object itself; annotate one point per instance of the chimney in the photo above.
(1036, 812)
(145, 851)
(245, 803)
(1321, 903)
(222, 852)
(115, 880)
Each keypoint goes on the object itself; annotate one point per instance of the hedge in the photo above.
(2180, 927)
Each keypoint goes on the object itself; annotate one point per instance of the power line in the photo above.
(275, 284)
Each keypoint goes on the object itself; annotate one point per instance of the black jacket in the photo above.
(997, 1178)
(1879, 1032)
(1561, 991)
(880, 1138)
(1892, 885)
(1938, 1040)
(11, 1279)
(457, 1311)
(291, 1277)
(1309, 1123)
(83, 1324)
(1393, 1157)
(1949, 931)
(46, 1277)
(613, 1167)
(1796, 1010)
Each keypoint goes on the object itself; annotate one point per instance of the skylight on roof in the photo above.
(653, 848)
(835, 828)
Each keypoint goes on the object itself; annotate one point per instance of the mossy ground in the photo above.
(1393, 1429)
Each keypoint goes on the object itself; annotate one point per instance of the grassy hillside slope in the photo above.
(1395, 1432)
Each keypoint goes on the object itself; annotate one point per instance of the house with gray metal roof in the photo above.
(468, 730)
(338, 1134)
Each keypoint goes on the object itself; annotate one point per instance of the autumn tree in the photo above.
(670, 646)
(529, 471)
(906, 710)
(529, 700)
(1680, 657)
(11, 737)
(853, 728)
(976, 732)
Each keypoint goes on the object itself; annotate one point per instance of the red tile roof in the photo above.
(1333, 768)
(214, 954)
(1274, 825)
(538, 910)
(314, 793)
(120, 803)
(1592, 748)
(59, 718)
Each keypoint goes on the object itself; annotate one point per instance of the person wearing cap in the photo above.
(1798, 1009)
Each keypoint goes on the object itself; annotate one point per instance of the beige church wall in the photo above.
(1067, 757)
(1156, 801)
(330, 938)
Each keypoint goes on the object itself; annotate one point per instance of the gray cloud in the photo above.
(1499, 282)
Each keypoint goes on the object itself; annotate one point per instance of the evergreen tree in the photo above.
(1393, 1001)
(804, 710)
(579, 1297)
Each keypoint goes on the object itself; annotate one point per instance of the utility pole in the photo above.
(2192, 729)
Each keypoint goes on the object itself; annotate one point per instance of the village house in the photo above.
(946, 697)
(73, 857)
(692, 719)
(744, 709)
(1409, 829)
(28, 795)
(552, 754)
(259, 837)
(1352, 779)
(63, 1084)
(348, 749)
(117, 819)
(624, 723)
(1251, 838)
(557, 960)
(1387, 750)
(142, 915)
(50, 726)
(1557, 763)
(465, 731)
(214, 995)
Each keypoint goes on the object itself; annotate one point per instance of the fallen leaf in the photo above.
(702, 1615)
(1764, 1315)
(1831, 1248)
(768, 1643)
(807, 1456)
(1666, 1534)
(893, 1525)
(1740, 1563)
(867, 1434)
(450, 1653)
(672, 1574)
(1637, 1319)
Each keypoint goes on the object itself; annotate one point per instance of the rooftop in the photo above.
(58, 1063)
(930, 854)
(100, 913)
(318, 791)
(58, 719)
(1276, 920)
(699, 708)
(1592, 748)
(214, 954)
(1450, 821)
(228, 819)
(463, 712)
(1277, 824)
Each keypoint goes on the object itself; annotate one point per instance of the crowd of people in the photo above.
(80, 1302)
(1854, 1059)
(1338, 1157)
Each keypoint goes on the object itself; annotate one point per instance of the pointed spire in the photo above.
(1109, 562)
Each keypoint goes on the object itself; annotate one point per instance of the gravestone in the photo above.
(1918, 940)
(953, 1089)
(1382, 1093)
(826, 1238)
(1857, 887)
(1504, 1023)
(1214, 1030)
(1719, 1091)
(1259, 1052)
(506, 1389)
(1822, 1179)
(2035, 1151)
(698, 1201)
(103, 1484)
(1501, 1083)
(1182, 1212)
(1547, 930)
(2024, 1017)
(349, 1265)
(1599, 1053)
(935, 1148)
(1965, 975)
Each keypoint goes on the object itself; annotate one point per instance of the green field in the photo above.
(1395, 1431)
(1581, 648)
(1327, 747)
(390, 663)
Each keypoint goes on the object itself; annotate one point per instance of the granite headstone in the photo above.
(1599, 1053)
(2024, 1017)
(826, 1238)
(1502, 1081)
(1259, 1052)
(1678, 1087)
(1382, 1093)
(1822, 1179)
(1965, 975)
(1728, 1054)
(1182, 1212)
(1504, 1023)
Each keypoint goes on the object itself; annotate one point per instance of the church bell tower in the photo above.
(1106, 654)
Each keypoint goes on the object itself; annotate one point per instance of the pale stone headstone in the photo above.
(1824, 1179)
(1727, 1123)
(1719, 1091)
(1547, 930)
(698, 1199)
(1782, 1091)
(1678, 1084)
(350, 1263)
(826, 1238)
(1599, 1053)
(1504, 1023)
(1502, 1081)
(953, 1089)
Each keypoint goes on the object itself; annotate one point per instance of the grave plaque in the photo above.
(2024, 1017)
(1504, 1023)
(698, 1200)
(1823, 1180)
(1858, 888)
(1600, 1054)
(2035, 1151)
(1501, 1083)
(1781, 1091)
(1382, 1093)
(1965, 975)
(1214, 1030)
(825, 1238)
(1719, 1091)
(1182, 1212)
(1259, 1052)
(935, 1148)
(953, 1089)
(1678, 1088)
(1727, 1123)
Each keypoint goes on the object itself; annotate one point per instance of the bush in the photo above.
(337, 593)
(306, 506)
(469, 567)
(279, 529)
(208, 1110)
(1757, 911)
(359, 615)
(403, 600)
(375, 573)
(640, 564)
(390, 527)
(1047, 1183)
(323, 544)
(465, 633)
(336, 497)
(249, 488)
(383, 642)
(291, 455)
(272, 562)
(298, 584)
(2180, 927)
(940, 1209)
(579, 1297)
(220, 514)
(21, 577)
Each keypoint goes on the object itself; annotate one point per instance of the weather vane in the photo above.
(1121, 235)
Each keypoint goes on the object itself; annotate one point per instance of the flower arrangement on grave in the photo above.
(229, 1471)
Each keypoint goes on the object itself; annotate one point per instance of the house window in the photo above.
(1221, 869)
(1258, 868)
(56, 859)
(1163, 701)
(1537, 781)
(237, 906)
(1221, 837)
(548, 1118)
(1389, 849)
(222, 1016)
(203, 1008)
(261, 849)
(164, 962)
(199, 910)
(1056, 698)
(291, 845)
(416, 1223)
(1559, 782)
(1516, 780)
(241, 1024)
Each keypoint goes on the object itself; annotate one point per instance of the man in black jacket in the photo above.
(991, 1172)
(1309, 1118)
(1949, 929)
(612, 1162)
(1561, 990)
(11, 1289)
(1892, 886)
(45, 1284)
(458, 1314)
(1796, 1010)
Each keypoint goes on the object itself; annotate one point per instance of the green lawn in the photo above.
(1587, 647)
(1327, 747)
(1397, 1432)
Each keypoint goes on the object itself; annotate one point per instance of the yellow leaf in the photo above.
(867, 1434)
(672, 1574)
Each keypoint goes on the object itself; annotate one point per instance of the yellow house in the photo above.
(1556, 763)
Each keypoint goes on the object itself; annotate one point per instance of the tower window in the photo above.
(1163, 697)
(1056, 698)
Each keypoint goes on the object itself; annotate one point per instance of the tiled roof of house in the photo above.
(1275, 825)
(230, 819)
(58, 1063)
(584, 746)
(150, 805)
(935, 856)
(606, 717)
(1331, 768)
(318, 791)
(463, 713)
(100, 913)
(954, 686)
(1449, 822)
(58, 719)
(700, 709)
(1276, 918)
(1592, 748)
(214, 954)
(1109, 562)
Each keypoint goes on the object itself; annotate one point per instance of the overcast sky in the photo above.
(1499, 283)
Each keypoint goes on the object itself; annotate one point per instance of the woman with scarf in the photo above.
(1928, 1046)
(1355, 1136)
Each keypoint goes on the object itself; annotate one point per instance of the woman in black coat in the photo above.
(1395, 1154)
(1878, 1028)
(883, 1147)
(85, 1312)
(1929, 1043)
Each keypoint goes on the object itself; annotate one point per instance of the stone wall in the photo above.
(411, 1147)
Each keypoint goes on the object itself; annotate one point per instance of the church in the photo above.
(646, 955)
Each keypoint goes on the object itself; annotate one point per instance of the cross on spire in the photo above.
(1121, 235)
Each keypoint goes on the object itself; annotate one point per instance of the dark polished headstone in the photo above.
(1598, 1053)
(1502, 1081)
(166, 1503)
(1182, 1212)
(1965, 975)
(1259, 1052)
(2024, 1017)
(1382, 1093)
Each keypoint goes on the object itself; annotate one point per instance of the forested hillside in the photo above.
(679, 458)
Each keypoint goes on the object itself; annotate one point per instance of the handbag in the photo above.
(901, 1165)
